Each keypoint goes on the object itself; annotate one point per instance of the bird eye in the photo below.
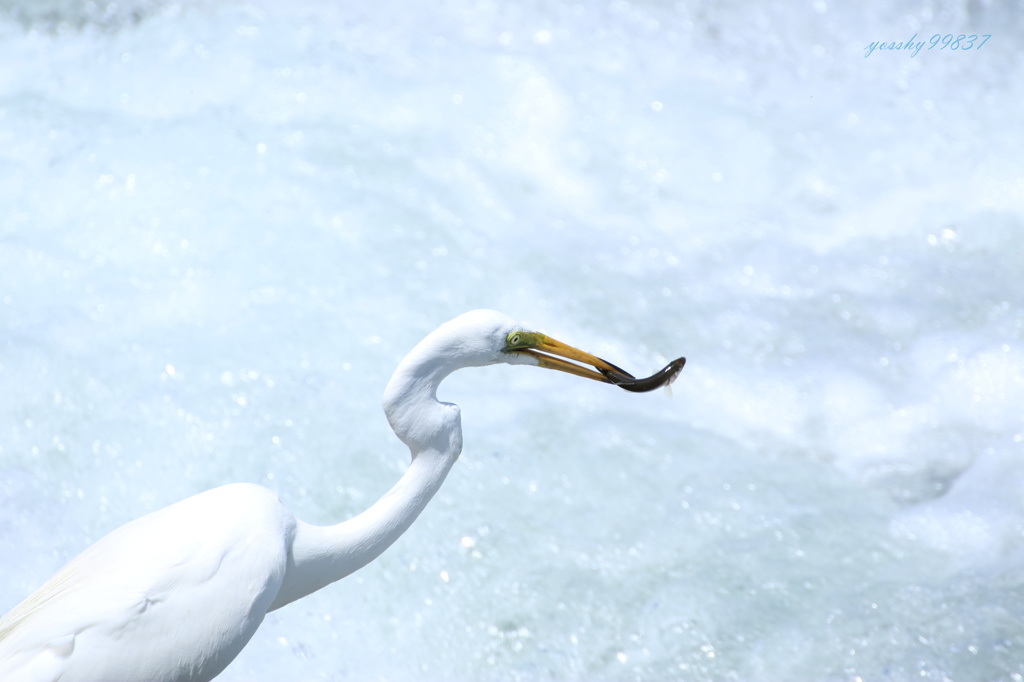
(514, 338)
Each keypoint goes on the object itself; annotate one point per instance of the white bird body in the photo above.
(175, 595)
(197, 577)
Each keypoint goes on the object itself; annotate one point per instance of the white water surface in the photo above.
(222, 224)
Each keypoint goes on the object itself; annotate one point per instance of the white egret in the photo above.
(175, 595)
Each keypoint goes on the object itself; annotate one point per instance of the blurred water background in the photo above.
(222, 224)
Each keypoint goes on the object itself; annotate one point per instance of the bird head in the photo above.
(487, 337)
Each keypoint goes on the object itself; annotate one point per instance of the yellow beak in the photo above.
(549, 353)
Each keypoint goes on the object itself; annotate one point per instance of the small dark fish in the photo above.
(663, 378)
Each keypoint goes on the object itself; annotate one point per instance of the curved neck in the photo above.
(321, 555)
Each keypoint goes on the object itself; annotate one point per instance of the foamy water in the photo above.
(224, 223)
